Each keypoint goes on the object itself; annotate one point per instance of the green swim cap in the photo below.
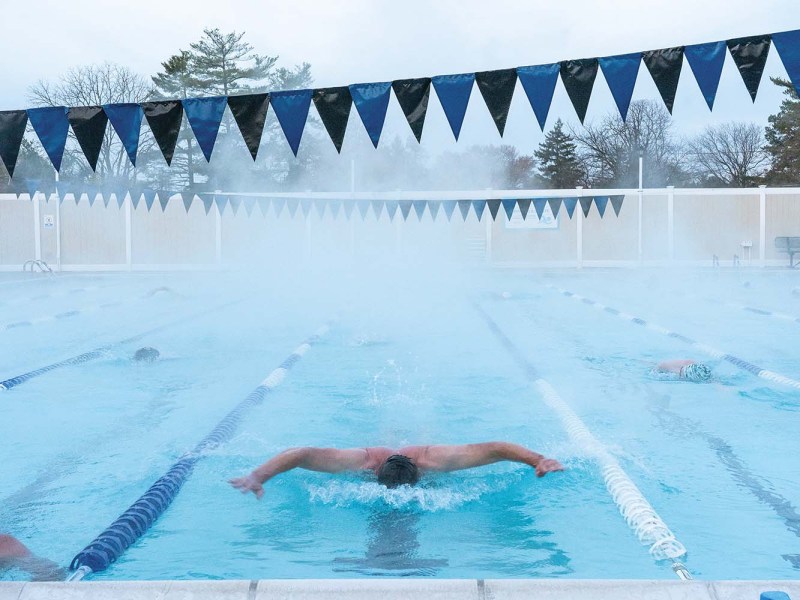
(696, 372)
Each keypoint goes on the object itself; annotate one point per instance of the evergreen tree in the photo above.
(783, 138)
(559, 166)
(224, 64)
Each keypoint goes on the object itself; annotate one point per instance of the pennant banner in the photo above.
(371, 100)
(164, 119)
(333, 106)
(750, 56)
(539, 83)
(665, 68)
(12, 130)
(52, 126)
(412, 96)
(497, 89)
(620, 73)
(788, 46)
(126, 119)
(453, 92)
(291, 108)
(578, 77)
(89, 126)
(204, 116)
(706, 62)
(250, 113)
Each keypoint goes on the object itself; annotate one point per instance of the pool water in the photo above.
(406, 361)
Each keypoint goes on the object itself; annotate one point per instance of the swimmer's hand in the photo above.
(547, 465)
(249, 483)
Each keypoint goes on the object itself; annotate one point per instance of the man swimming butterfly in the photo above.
(393, 467)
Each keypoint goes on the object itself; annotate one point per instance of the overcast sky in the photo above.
(350, 41)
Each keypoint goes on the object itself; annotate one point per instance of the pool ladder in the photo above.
(40, 264)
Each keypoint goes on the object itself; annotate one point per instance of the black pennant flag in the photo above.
(188, 197)
(616, 203)
(164, 119)
(89, 125)
(555, 205)
(413, 95)
(665, 69)
(750, 56)
(291, 206)
(405, 208)
(524, 206)
(305, 205)
(479, 206)
(334, 206)
(391, 208)
(277, 206)
(363, 208)
(250, 113)
(348, 206)
(463, 206)
(149, 198)
(163, 199)
(12, 129)
(249, 205)
(333, 105)
(377, 208)
(586, 205)
(578, 77)
(497, 89)
(494, 206)
(236, 202)
(208, 202)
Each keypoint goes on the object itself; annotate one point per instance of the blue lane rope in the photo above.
(90, 288)
(766, 313)
(98, 352)
(140, 516)
(58, 316)
(734, 360)
(638, 513)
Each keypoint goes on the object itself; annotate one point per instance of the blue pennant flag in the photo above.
(163, 199)
(305, 206)
(453, 92)
(616, 203)
(208, 201)
(538, 206)
(291, 108)
(620, 72)
(348, 206)
(51, 125)
(479, 206)
(126, 119)
(539, 83)
(363, 208)
(291, 205)
(706, 61)
(249, 205)
(586, 205)
(601, 202)
(319, 205)
(405, 208)
(32, 186)
(570, 204)
(221, 200)
(204, 116)
(419, 208)
(391, 208)
(377, 208)
(372, 100)
(277, 206)
(449, 206)
(787, 44)
(508, 206)
(263, 206)
(334, 206)
(149, 198)
(463, 206)
(188, 197)
(433, 207)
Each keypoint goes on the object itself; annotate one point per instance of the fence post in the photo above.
(37, 228)
(218, 229)
(128, 231)
(762, 226)
(579, 225)
(671, 221)
(58, 227)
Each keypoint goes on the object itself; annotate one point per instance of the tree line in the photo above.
(601, 154)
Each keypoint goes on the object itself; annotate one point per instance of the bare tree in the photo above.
(94, 85)
(730, 154)
(610, 151)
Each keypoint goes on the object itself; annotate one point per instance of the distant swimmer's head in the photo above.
(146, 354)
(398, 470)
(696, 372)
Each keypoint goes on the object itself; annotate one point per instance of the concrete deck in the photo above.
(394, 589)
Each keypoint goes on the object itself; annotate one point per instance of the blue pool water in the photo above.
(406, 362)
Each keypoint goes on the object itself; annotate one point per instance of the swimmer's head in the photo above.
(696, 372)
(146, 354)
(398, 470)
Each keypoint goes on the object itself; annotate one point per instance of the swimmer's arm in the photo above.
(454, 458)
(326, 460)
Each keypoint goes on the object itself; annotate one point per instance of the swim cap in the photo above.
(696, 372)
(146, 354)
(398, 470)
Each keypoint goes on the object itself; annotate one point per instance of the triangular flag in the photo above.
(221, 200)
(163, 199)
(236, 202)
(264, 204)
(12, 130)
(391, 208)
(164, 118)
(601, 202)
(334, 206)
(750, 56)
(249, 205)
(363, 207)
(570, 204)
(405, 208)
(292, 204)
(291, 108)
(508, 206)
(250, 112)
(348, 205)
(136, 196)
(578, 77)
(120, 196)
(479, 206)
(433, 208)
(463, 206)
(319, 205)
(277, 205)
(538, 206)
(616, 203)
(32, 186)
(126, 119)
(586, 204)
(149, 197)
(91, 196)
(305, 205)
(787, 44)
(372, 100)
(494, 206)
(620, 72)
(524, 206)
(333, 105)
(665, 69)
(208, 202)
(449, 206)
(51, 126)
(412, 96)
(539, 83)
(453, 92)
(106, 198)
(377, 208)
(555, 205)
(497, 89)
(706, 62)
(204, 116)
(419, 208)
(89, 126)
(187, 201)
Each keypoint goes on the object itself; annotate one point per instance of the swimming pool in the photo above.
(408, 360)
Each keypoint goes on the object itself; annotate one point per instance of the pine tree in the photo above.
(224, 63)
(783, 138)
(559, 167)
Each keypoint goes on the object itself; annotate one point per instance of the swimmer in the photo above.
(162, 289)
(685, 369)
(14, 554)
(393, 467)
(146, 355)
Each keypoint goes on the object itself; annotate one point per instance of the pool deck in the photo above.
(406, 589)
